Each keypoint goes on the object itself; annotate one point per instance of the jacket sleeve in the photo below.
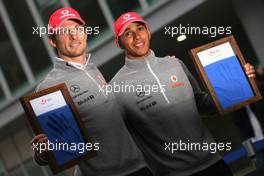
(42, 161)
(203, 101)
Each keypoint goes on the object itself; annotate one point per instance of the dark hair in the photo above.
(120, 43)
(53, 38)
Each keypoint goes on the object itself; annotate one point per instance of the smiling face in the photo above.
(135, 40)
(71, 42)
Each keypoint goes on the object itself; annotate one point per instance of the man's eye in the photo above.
(64, 31)
(140, 28)
(80, 28)
(128, 34)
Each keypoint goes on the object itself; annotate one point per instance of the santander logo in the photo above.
(213, 52)
(45, 101)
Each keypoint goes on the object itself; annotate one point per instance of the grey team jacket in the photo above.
(165, 117)
(118, 154)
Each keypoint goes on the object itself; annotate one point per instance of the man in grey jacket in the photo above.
(164, 122)
(117, 155)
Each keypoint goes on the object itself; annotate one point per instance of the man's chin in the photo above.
(77, 54)
(138, 55)
(142, 53)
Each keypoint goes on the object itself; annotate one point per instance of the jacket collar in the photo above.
(140, 63)
(59, 62)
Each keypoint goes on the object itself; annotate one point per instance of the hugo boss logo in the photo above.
(150, 105)
(75, 88)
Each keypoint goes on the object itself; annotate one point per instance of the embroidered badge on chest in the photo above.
(175, 82)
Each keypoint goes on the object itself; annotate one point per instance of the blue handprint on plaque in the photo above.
(62, 131)
(229, 81)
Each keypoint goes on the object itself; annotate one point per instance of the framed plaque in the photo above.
(52, 112)
(220, 64)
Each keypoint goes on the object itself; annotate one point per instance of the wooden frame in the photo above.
(32, 105)
(218, 54)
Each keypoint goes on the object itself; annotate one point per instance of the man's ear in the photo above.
(52, 42)
(120, 43)
(148, 32)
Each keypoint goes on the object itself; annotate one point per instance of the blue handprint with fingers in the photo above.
(61, 127)
(228, 85)
(229, 81)
(62, 131)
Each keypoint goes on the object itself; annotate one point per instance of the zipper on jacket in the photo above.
(82, 67)
(94, 81)
(157, 79)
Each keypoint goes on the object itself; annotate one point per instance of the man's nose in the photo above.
(73, 33)
(137, 35)
(73, 36)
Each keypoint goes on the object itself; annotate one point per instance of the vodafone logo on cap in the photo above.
(66, 13)
(127, 17)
